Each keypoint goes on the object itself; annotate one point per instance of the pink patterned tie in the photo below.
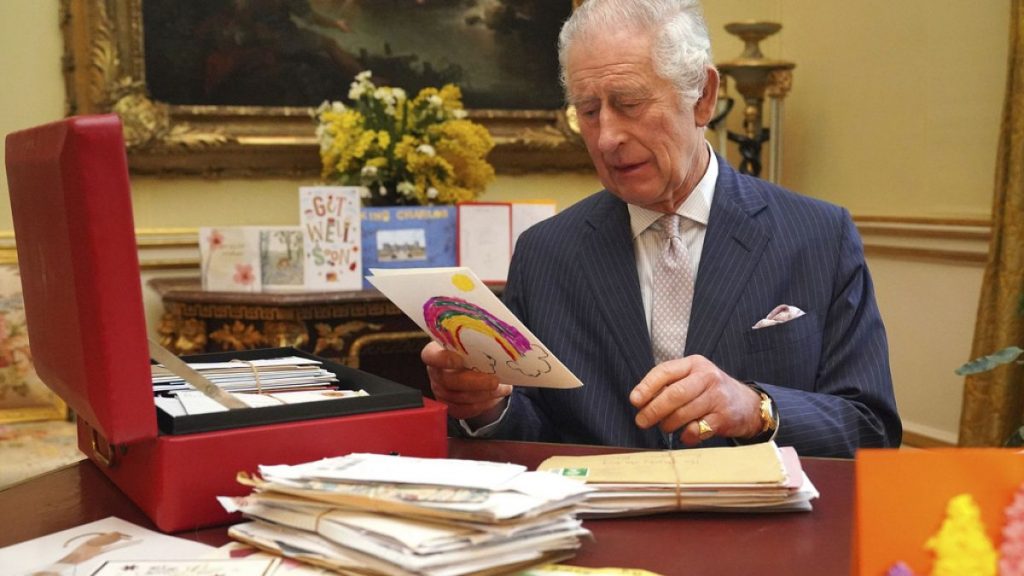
(672, 296)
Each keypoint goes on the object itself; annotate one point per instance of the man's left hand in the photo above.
(679, 393)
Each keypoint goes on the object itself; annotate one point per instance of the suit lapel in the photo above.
(732, 247)
(609, 267)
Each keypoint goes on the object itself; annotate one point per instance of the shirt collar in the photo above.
(696, 207)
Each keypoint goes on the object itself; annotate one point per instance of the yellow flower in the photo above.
(421, 150)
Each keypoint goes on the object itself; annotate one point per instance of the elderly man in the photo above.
(695, 303)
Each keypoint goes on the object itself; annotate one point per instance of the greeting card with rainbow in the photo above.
(462, 314)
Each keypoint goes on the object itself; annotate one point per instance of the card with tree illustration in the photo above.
(282, 258)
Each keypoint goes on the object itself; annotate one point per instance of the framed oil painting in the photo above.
(227, 87)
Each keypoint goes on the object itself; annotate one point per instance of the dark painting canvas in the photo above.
(502, 53)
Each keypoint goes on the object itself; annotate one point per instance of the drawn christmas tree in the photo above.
(961, 545)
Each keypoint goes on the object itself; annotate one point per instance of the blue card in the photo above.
(408, 237)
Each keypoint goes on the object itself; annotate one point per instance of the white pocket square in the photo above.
(780, 314)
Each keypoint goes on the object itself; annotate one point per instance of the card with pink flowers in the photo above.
(230, 259)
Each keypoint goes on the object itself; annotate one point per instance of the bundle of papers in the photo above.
(391, 515)
(755, 478)
(256, 383)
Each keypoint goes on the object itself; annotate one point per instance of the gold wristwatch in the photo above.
(769, 414)
(769, 417)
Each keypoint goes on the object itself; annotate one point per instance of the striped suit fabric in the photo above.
(573, 282)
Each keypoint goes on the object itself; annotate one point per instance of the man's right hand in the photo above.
(472, 396)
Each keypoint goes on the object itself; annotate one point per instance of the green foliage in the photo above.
(1016, 440)
(986, 363)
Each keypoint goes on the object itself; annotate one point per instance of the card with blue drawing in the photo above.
(462, 314)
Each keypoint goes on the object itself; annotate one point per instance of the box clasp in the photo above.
(105, 452)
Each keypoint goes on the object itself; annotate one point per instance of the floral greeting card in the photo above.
(230, 259)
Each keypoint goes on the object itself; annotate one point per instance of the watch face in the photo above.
(767, 413)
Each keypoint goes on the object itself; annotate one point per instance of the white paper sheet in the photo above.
(526, 214)
(83, 549)
(485, 239)
(248, 567)
(402, 470)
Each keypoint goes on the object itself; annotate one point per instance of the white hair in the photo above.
(681, 49)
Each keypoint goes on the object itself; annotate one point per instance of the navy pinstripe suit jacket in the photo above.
(573, 281)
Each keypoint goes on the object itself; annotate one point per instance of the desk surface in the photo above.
(694, 543)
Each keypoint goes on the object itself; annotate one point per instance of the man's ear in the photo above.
(704, 109)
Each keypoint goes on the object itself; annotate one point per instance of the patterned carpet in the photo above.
(28, 449)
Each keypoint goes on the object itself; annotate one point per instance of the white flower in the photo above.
(425, 149)
(325, 139)
(459, 114)
(399, 93)
(327, 106)
(364, 192)
(382, 191)
(406, 188)
(435, 100)
(432, 192)
(369, 171)
(356, 91)
(364, 76)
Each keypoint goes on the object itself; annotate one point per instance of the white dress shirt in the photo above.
(647, 242)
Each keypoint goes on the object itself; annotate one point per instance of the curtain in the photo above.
(993, 404)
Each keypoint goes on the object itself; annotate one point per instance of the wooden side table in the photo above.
(361, 329)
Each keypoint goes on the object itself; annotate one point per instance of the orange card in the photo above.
(901, 499)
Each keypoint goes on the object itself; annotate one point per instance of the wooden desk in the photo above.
(673, 544)
(361, 329)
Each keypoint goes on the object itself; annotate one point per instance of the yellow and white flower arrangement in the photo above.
(404, 151)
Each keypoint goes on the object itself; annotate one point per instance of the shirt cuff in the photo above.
(487, 430)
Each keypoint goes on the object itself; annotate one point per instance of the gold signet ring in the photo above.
(704, 429)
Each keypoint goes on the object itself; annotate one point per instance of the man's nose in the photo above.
(611, 133)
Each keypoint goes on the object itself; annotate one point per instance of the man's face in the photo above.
(648, 148)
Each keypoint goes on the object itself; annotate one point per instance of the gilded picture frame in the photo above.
(104, 71)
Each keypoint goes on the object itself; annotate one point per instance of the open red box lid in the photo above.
(73, 225)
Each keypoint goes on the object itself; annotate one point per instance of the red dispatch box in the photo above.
(71, 203)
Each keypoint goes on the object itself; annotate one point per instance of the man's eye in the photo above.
(588, 112)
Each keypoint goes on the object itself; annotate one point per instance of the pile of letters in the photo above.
(392, 515)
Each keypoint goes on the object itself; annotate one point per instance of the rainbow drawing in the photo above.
(448, 316)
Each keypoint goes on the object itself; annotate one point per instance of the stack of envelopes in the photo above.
(372, 514)
(755, 478)
(256, 383)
